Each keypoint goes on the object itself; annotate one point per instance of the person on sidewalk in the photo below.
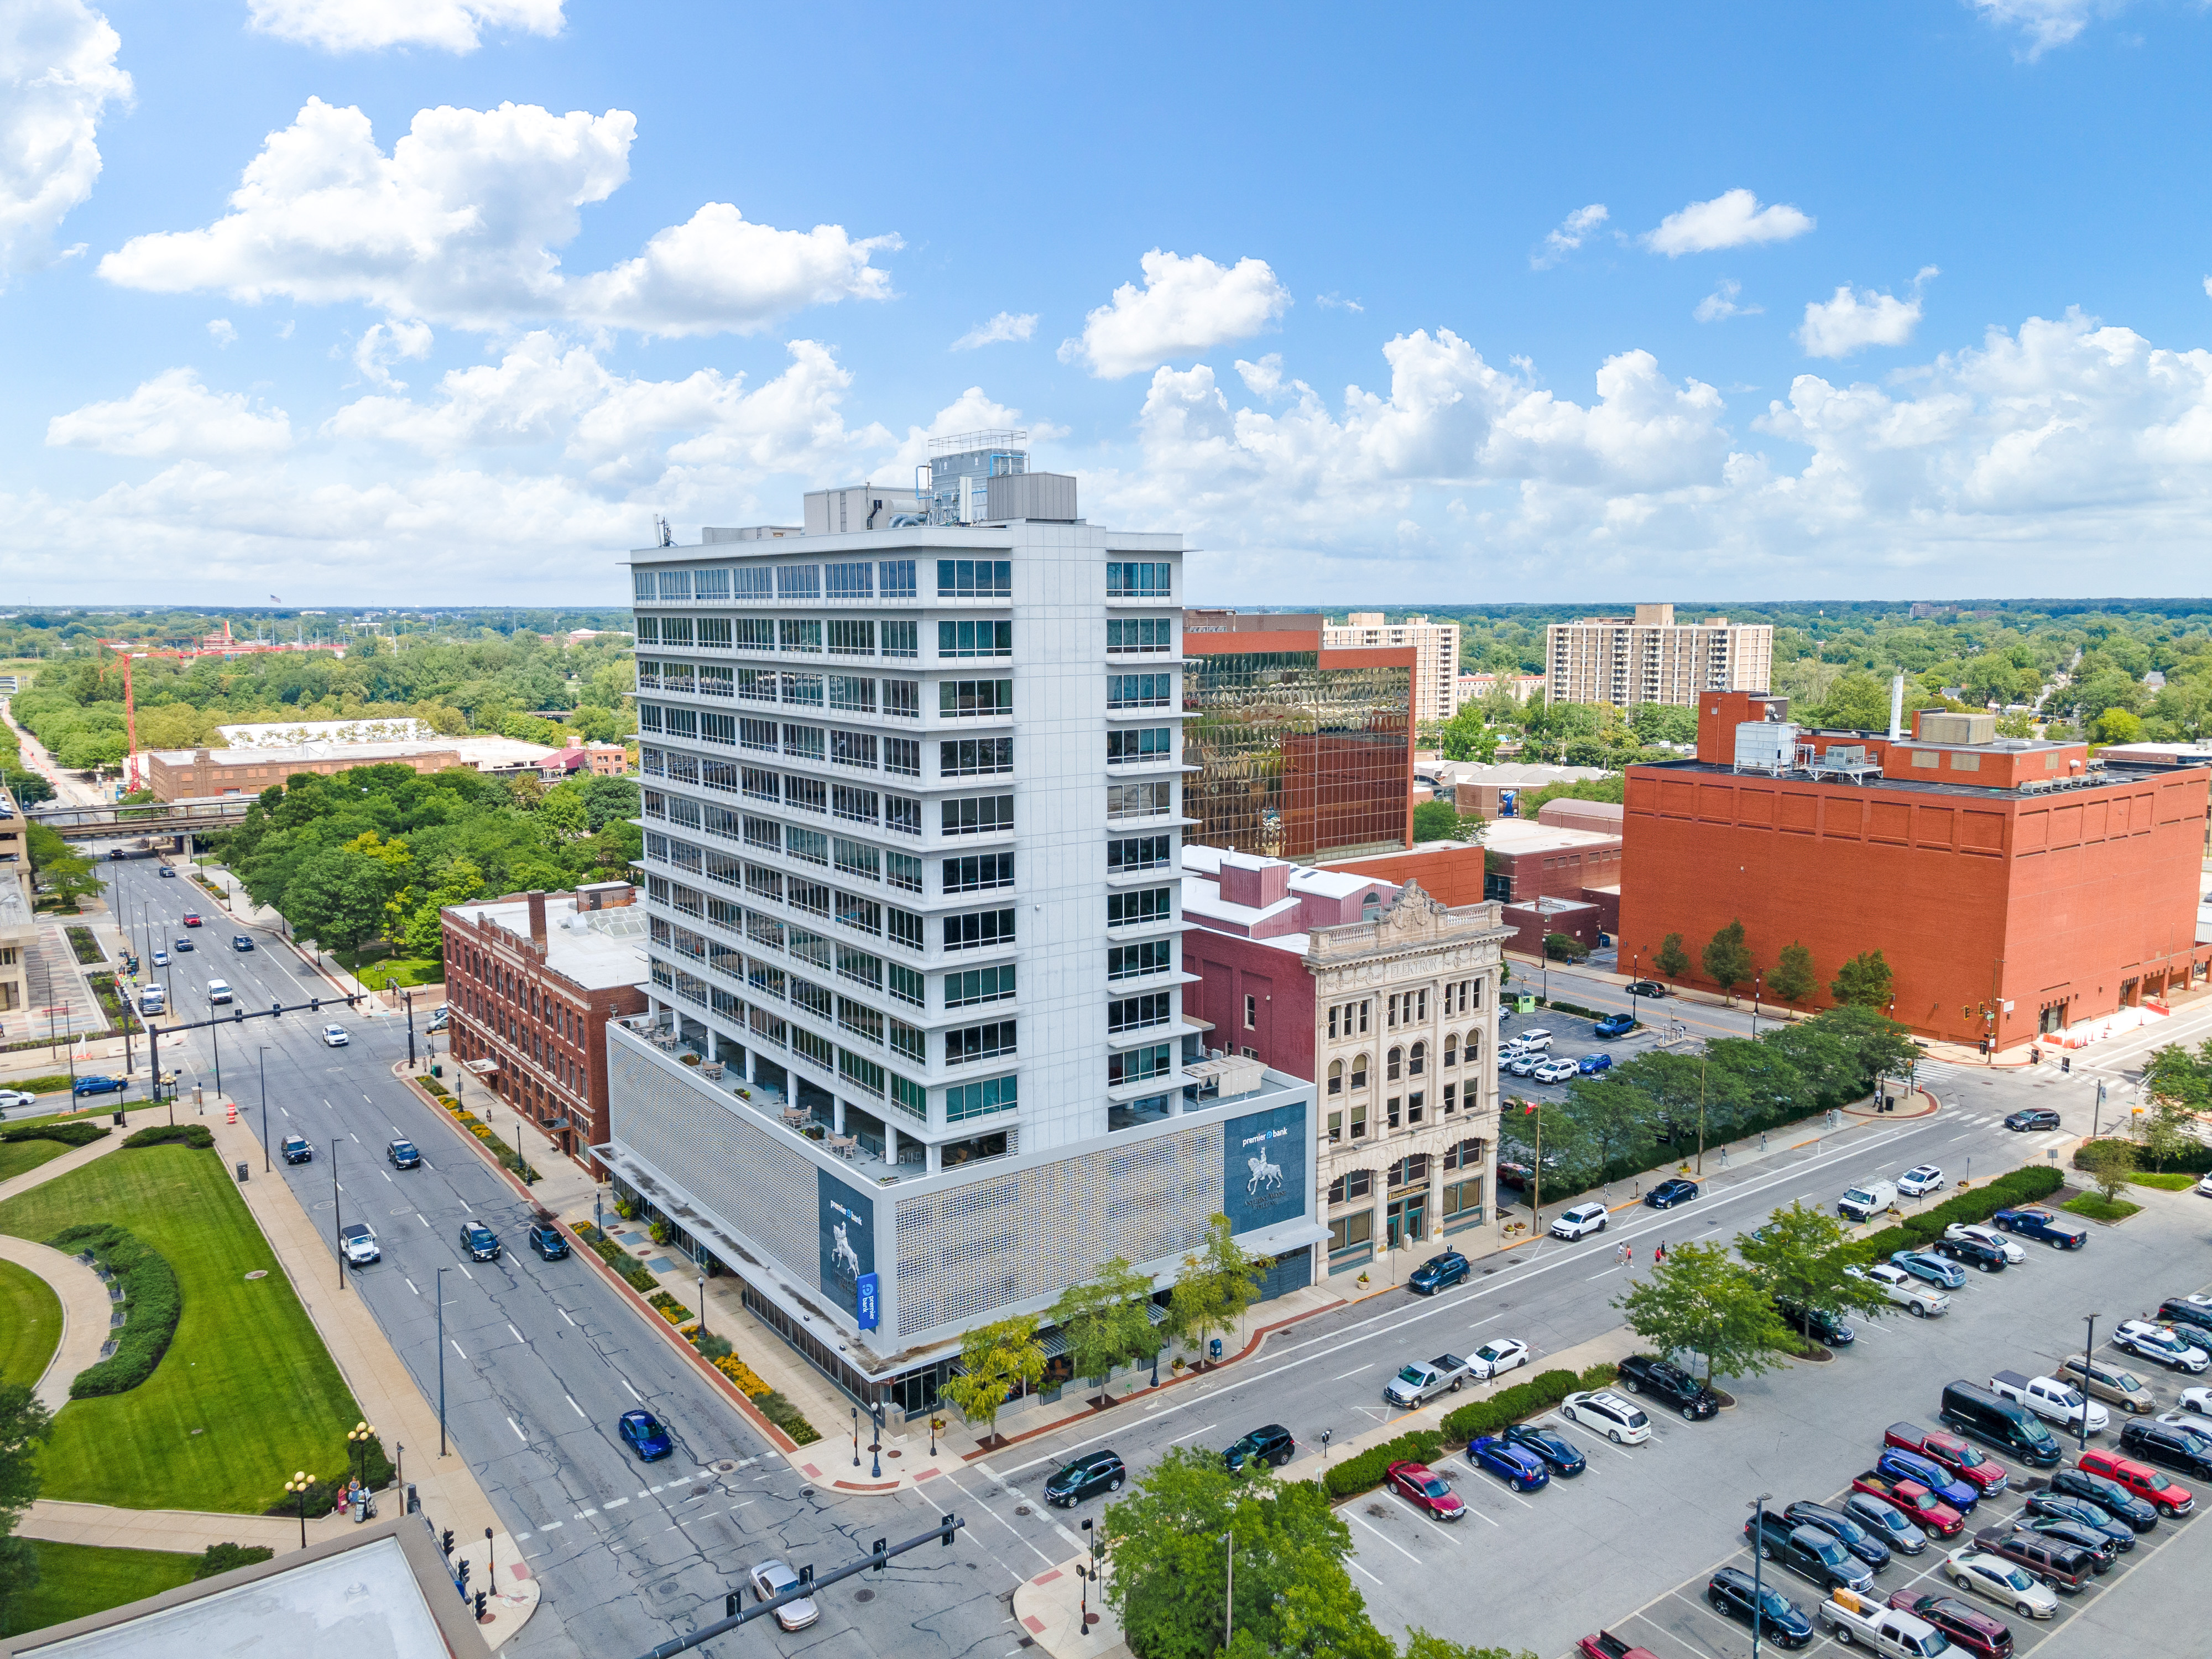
(1659, 1254)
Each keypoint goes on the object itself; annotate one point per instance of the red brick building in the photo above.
(2015, 886)
(531, 982)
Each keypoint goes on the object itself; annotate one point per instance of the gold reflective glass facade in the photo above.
(1297, 761)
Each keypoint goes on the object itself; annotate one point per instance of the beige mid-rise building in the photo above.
(1435, 646)
(1651, 658)
(18, 934)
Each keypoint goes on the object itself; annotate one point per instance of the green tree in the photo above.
(2166, 1130)
(24, 1426)
(1565, 947)
(1793, 979)
(1216, 1284)
(2117, 726)
(1464, 736)
(1440, 820)
(1800, 1255)
(1420, 1644)
(1727, 958)
(1701, 1300)
(2108, 1163)
(995, 1361)
(1671, 959)
(1663, 722)
(1104, 1320)
(1865, 982)
(1857, 702)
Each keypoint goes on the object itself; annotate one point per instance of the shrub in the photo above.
(1602, 1375)
(788, 1418)
(151, 1302)
(77, 1134)
(223, 1557)
(2195, 1160)
(1508, 1405)
(714, 1347)
(1366, 1470)
(172, 1134)
(436, 1087)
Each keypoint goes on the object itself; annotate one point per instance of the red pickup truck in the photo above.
(1985, 1475)
(1606, 1645)
(1919, 1504)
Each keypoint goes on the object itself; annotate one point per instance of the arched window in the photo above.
(1394, 1066)
(1410, 1171)
(1418, 1061)
(1451, 1049)
(1370, 907)
(1466, 1155)
(1336, 1077)
(1359, 1071)
(1353, 1184)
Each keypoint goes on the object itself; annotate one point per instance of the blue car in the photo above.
(99, 1085)
(1901, 1465)
(1517, 1465)
(1926, 1264)
(1669, 1193)
(642, 1432)
(1592, 1065)
(1439, 1272)
(1614, 1026)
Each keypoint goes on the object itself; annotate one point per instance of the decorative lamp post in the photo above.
(298, 1484)
(357, 1438)
(1758, 1555)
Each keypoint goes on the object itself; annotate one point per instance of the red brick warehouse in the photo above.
(2015, 886)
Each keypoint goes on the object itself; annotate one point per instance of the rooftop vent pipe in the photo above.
(1896, 707)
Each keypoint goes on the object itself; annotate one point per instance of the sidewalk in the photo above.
(86, 1314)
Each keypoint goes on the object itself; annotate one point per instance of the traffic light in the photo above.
(315, 1004)
(882, 1553)
(275, 1009)
(806, 1577)
(461, 1575)
(730, 1605)
(944, 1537)
(480, 1606)
(445, 1541)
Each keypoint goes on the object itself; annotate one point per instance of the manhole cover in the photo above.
(727, 1465)
(864, 1595)
(1024, 1509)
(666, 1587)
(806, 1492)
(258, 1273)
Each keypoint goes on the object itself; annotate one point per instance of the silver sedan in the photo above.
(774, 1578)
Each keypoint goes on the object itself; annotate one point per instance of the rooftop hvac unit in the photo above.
(1765, 745)
(1942, 725)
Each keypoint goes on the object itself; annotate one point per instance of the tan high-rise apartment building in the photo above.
(1435, 672)
(1651, 658)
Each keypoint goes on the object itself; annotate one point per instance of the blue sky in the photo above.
(443, 300)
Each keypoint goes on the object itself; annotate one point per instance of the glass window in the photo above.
(803, 743)
(975, 579)
(1139, 745)
(966, 1100)
(979, 872)
(1132, 909)
(968, 757)
(854, 858)
(675, 587)
(1139, 580)
(1139, 1064)
(1336, 1077)
(860, 806)
(975, 639)
(903, 814)
(1416, 1059)
(710, 586)
(809, 844)
(900, 637)
(1139, 690)
(714, 633)
(964, 990)
(902, 870)
(972, 699)
(1140, 852)
(811, 896)
(1139, 800)
(798, 581)
(853, 749)
(907, 985)
(1154, 956)
(965, 1045)
(854, 691)
(978, 930)
(1353, 1231)
(1359, 1071)
(902, 699)
(1393, 1067)
(753, 582)
(976, 815)
(757, 734)
(903, 928)
(803, 688)
(850, 581)
(806, 794)
(1134, 1013)
(902, 756)
(799, 636)
(895, 578)
(754, 633)
(852, 639)
(1137, 635)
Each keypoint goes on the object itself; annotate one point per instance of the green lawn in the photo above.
(2093, 1206)
(19, 1157)
(30, 1323)
(78, 1579)
(371, 963)
(2171, 1181)
(246, 1394)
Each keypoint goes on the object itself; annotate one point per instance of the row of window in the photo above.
(861, 694)
(957, 757)
(1349, 1019)
(859, 579)
(846, 636)
(1412, 1170)
(1400, 1061)
(1460, 1202)
(1399, 1111)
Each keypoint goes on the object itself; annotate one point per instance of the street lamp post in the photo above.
(876, 1440)
(1758, 1555)
(438, 1289)
(1757, 974)
(262, 1059)
(856, 1437)
(1228, 1594)
(338, 1221)
(358, 1439)
(298, 1486)
(2086, 1354)
(408, 994)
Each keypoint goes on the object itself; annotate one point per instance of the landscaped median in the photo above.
(510, 1159)
(1365, 1470)
(2026, 1185)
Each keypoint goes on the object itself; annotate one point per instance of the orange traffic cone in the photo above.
(234, 1112)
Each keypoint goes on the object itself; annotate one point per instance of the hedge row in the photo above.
(1359, 1473)
(2023, 1185)
(620, 1259)
(2197, 1160)
(1523, 1400)
(150, 1299)
(172, 1134)
(76, 1133)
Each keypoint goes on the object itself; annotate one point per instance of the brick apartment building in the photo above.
(532, 980)
(2015, 886)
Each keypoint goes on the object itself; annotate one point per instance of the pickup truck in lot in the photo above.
(2052, 1401)
(1418, 1384)
(1853, 1619)
(2056, 1231)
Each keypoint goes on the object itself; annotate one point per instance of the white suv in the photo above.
(1582, 1219)
(1532, 1043)
(1552, 1070)
(1920, 1180)
(1621, 1421)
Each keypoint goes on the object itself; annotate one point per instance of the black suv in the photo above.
(1268, 1448)
(2190, 1318)
(1973, 1251)
(1810, 1552)
(2102, 1549)
(479, 1241)
(1730, 1592)
(2171, 1445)
(2063, 1506)
(2109, 1496)
(1085, 1478)
(402, 1155)
(545, 1239)
(298, 1150)
(1848, 1533)
(1817, 1323)
(1643, 1373)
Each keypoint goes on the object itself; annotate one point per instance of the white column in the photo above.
(890, 1142)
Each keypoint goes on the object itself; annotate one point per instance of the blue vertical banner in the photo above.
(871, 1314)
(846, 1223)
(1263, 1177)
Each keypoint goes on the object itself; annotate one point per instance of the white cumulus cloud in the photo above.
(2044, 24)
(368, 25)
(1186, 306)
(459, 224)
(57, 75)
(1733, 219)
(1854, 318)
(374, 353)
(1575, 229)
(1721, 303)
(1000, 329)
(220, 331)
(170, 416)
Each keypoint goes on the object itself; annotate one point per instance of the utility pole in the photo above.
(438, 1287)
(337, 1233)
(1701, 1111)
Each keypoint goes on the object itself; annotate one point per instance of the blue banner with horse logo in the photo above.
(1264, 1177)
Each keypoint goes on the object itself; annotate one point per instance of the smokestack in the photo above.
(537, 917)
(1896, 707)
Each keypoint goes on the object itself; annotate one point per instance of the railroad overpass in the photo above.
(155, 817)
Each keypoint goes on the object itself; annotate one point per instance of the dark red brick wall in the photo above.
(1230, 967)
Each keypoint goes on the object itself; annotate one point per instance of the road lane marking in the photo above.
(1001, 1519)
(419, 1216)
(1193, 1435)
(634, 1393)
(563, 1312)
(573, 1407)
(519, 1434)
(456, 1346)
(614, 1502)
(1356, 1369)
(516, 1334)
(409, 1283)
(464, 1273)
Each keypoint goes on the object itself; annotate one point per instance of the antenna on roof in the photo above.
(663, 536)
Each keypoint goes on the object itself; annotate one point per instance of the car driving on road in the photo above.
(402, 1155)
(1497, 1357)
(1920, 1180)
(1669, 1193)
(298, 1148)
(545, 1238)
(1645, 988)
(358, 1239)
(479, 1241)
(94, 1084)
(1086, 1477)
(334, 1036)
(772, 1578)
(643, 1433)
(1582, 1219)
(1268, 1448)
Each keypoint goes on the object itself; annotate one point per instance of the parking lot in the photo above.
(1629, 1545)
(1573, 1037)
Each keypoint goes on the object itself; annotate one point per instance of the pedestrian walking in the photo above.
(1659, 1254)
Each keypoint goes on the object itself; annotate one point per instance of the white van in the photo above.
(218, 991)
(1870, 1199)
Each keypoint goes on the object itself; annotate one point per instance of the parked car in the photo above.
(2015, 1252)
(1497, 1357)
(1669, 1193)
(1984, 1574)
(2052, 1401)
(334, 1036)
(1648, 1374)
(1902, 1465)
(2100, 1546)
(1581, 1220)
(402, 1155)
(1867, 1199)
(1972, 1410)
(1614, 1026)
(1536, 1041)
(2188, 1314)
(1560, 1454)
(1854, 1619)
(1969, 1630)
(1086, 1477)
(1920, 1180)
(2195, 1407)
(2139, 1479)
(1887, 1522)
(1592, 1065)
(93, 1084)
(1847, 1532)
(1809, 1552)
(1518, 1467)
(1817, 1323)
(1439, 1272)
(643, 1433)
(773, 1578)
(358, 1240)
(1922, 1264)
(1554, 1069)
(1972, 1253)
(1417, 1383)
(239, 942)
(545, 1238)
(479, 1241)
(2031, 1118)
(1523, 1063)
(1427, 1491)
(1921, 1506)
(1618, 1420)
(1604, 1644)
(297, 1149)
(1960, 1461)
(1513, 1174)
(1732, 1593)
(2162, 1343)
(1901, 1288)
(2110, 1496)
(2062, 1506)
(1646, 988)
(2062, 1565)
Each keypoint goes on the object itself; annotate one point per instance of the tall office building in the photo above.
(917, 1057)
(1651, 658)
(1436, 656)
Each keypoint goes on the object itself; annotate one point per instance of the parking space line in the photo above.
(1392, 1543)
